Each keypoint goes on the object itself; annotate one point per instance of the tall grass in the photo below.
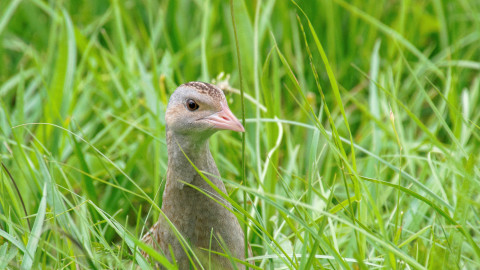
(362, 139)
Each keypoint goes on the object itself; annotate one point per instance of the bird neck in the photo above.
(186, 144)
(183, 151)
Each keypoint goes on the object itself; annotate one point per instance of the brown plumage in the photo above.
(195, 111)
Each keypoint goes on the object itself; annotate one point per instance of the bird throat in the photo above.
(185, 152)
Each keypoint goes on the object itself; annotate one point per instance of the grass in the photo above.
(362, 139)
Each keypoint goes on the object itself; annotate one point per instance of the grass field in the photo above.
(362, 128)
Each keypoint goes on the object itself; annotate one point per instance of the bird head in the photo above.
(199, 109)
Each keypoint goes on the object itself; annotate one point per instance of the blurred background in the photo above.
(362, 130)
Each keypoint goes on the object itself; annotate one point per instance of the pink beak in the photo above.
(225, 119)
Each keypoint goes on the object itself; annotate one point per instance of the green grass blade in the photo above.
(36, 232)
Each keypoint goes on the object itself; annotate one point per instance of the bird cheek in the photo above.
(172, 118)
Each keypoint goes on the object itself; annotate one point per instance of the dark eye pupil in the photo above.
(192, 105)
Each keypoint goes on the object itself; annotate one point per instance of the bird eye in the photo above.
(192, 105)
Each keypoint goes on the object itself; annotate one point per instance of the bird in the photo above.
(195, 111)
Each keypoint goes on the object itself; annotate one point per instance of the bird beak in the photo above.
(225, 119)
